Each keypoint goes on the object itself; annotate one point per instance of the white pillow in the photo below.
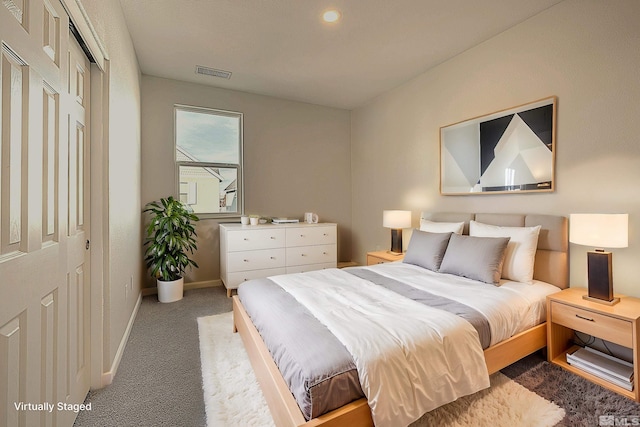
(441, 227)
(520, 256)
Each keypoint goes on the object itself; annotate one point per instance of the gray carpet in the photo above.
(159, 381)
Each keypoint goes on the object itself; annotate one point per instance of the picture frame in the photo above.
(506, 152)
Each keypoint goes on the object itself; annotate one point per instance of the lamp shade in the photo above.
(599, 230)
(396, 219)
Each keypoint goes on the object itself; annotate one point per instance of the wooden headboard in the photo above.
(552, 256)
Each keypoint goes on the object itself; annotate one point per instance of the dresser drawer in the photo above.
(252, 239)
(234, 279)
(309, 267)
(255, 260)
(311, 235)
(320, 254)
(610, 328)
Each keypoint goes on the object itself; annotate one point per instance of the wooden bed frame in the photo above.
(284, 409)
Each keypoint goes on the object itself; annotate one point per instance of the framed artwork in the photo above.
(509, 151)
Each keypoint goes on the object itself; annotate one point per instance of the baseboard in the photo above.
(203, 284)
(187, 286)
(107, 377)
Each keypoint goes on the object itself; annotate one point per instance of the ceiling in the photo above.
(282, 48)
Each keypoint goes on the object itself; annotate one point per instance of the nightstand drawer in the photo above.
(610, 328)
(380, 257)
(373, 260)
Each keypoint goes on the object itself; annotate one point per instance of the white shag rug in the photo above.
(233, 397)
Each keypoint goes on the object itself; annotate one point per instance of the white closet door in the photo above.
(44, 270)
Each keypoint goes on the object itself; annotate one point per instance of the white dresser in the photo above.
(254, 251)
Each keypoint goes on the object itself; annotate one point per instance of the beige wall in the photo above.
(296, 159)
(121, 227)
(587, 53)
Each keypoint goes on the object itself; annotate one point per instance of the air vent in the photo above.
(206, 71)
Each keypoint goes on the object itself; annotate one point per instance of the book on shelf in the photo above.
(602, 365)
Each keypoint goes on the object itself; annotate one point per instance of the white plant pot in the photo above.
(170, 291)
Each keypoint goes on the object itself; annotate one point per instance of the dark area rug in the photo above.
(583, 401)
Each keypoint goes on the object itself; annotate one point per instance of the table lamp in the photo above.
(600, 231)
(396, 221)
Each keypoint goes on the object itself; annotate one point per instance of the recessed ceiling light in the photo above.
(331, 16)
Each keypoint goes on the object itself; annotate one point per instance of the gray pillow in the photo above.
(478, 258)
(426, 249)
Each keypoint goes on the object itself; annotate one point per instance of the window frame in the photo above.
(239, 166)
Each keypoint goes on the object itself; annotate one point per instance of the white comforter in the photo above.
(510, 308)
(410, 358)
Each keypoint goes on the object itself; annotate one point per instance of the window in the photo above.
(209, 160)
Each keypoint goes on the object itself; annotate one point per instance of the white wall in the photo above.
(123, 218)
(296, 159)
(587, 53)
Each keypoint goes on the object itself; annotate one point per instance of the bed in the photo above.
(550, 267)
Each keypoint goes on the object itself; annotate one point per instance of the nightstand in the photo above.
(567, 312)
(379, 257)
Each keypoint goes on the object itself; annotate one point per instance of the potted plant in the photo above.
(170, 240)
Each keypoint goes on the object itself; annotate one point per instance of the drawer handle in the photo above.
(245, 239)
(273, 257)
(302, 235)
(273, 238)
(246, 260)
(324, 253)
(585, 318)
(325, 234)
(303, 255)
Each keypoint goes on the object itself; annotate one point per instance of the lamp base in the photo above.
(396, 241)
(599, 275)
(601, 301)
